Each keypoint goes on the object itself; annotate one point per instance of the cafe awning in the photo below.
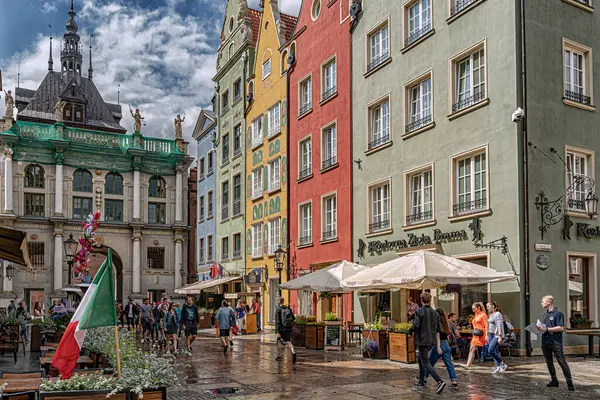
(197, 287)
(327, 279)
(13, 246)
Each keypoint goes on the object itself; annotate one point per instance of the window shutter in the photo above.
(266, 178)
(266, 238)
(266, 125)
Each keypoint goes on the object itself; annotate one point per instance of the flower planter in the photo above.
(299, 335)
(315, 337)
(583, 326)
(151, 394)
(204, 322)
(402, 347)
(379, 337)
(82, 395)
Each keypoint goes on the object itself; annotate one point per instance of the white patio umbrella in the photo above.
(424, 270)
(326, 279)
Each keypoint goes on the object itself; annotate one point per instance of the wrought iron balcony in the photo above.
(417, 34)
(237, 253)
(305, 240)
(329, 92)
(330, 234)
(417, 218)
(468, 102)
(377, 61)
(225, 159)
(237, 152)
(379, 141)
(470, 206)
(578, 97)
(379, 225)
(237, 207)
(305, 172)
(274, 186)
(331, 161)
(305, 108)
(225, 212)
(418, 124)
(224, 110)
(460, 5)
(576, 205)
(237, 98)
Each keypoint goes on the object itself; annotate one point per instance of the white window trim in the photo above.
(588, 75)
(465, 9)
(259, 253)
(407, 201)
(276, 129)
(300, 96)
(270, 61)
(407, 104)
(406, 23)
(387, 97)
(324, 65)
(324, 217)
(453, 187)
(588, 8)
(274, 185)
(271, 247)
(452, 68)
(257, 194)
(259, 139)
(371, 32)
(312, 8)
(300, 166)
(593, 303)
(300, 226)
(591, 166)
(322, 145)
(372, 185)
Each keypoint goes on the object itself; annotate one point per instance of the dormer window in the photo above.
(68, 112)
(78, 113)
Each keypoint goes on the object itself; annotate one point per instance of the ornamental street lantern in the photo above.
(279, 260)
(70, 246)
(591, 204)
(10, 272)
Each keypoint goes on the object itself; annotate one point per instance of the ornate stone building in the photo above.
(66, 155)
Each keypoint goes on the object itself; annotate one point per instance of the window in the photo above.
(156, 257)
(305, 224)
(419, 105)
(470, 182)
(316, 9)
(157, 187)
(82, 207)
(469, 78)
(329, 219)
(305, 96)
(257, 132)
(461, 5)
(329, 147)
(577, 73)
(329, 84)
(380, 207)
(82, 181)
(201, 250)
(157, 213)
(283, 65)
(225, 248)
(211, 159)
(237, 245)
(581, 288)
(201, 169)
(580, 178)
(274, 240)
(78, 113)
(34, 176)
(237, 90)
(68, 110)
(225, 150)
(274, 119)
(378, 47)
(257, 240)
(418, 16)
(224, 201)
(113, 184)
(470, 294)
(257, 183)
(379, 124)
(225, 102)
(34, 204)
(237, 140)
(209, 248)
(209, 197)
(266, 68)
(583, 4)
(113, 210)
(305, 158)
(420, 201)
(274, 174)
(237, 195)
(36, 253)
(201, 216)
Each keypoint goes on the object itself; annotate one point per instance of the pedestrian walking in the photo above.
(178, 311)
(130, 314)
(446, 356)
(190, 319)
(233, 325)
(426, 329)
(240, 311)
(171, 324)
(164, 309)
(256, 310)
(146, 320)
(553, 325)
(284, 321)
(23, 316)
(480, 332)
(155, 323)
(495, 335)
(225, 317)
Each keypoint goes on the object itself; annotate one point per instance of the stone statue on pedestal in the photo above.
(137, 120)
(59, 108)
(178, 129)
(9, 102)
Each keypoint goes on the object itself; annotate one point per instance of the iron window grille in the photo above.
(304, 173)
(237, 253)
(201, 177)
(156, 257)
(379, 142)
(305, 108)
(305, 240)
(36, 253)
(377, 61)
(329, 92)
(469, 101)
(413, 126)
(224, 212)
(576, 205)
(578, 97)
(470, 206)
(379, 225)
(586, 2)
(331, 234)
(416, 35)
(329, 162)
(460, 5)
(419, 217)
(237, 151)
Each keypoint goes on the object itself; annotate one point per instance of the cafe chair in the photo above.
(511, 342)
(20, 396)
(23, 374)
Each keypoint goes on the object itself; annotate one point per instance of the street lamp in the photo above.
(10, 271)
(70, 246)
(591, 204)
(279, 261)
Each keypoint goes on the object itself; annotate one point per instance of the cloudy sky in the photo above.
(162, 52)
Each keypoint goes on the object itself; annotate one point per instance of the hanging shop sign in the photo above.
(582, 230)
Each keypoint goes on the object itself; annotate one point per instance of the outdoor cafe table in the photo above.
(16, 385)
(590, 333)
(82, 360)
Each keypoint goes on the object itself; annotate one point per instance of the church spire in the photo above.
(71, 58)
(91, 69)
(50, 62)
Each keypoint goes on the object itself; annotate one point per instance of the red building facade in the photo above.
(320, 139)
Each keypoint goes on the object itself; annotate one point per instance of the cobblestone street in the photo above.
(251, 372)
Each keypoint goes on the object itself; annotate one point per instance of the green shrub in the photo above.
(331, 316)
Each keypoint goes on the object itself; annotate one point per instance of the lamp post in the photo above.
(279, 261)
(70, 246)
(10, 271)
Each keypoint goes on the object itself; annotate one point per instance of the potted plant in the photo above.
(40, 330)
(81, 386)
(332, 319)
(334, 332)
(402, 346)
(581, 323)
(376, 333)
(315, 334)
(299, 331)
(204, 318)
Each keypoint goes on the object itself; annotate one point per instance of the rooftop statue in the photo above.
(137, 120)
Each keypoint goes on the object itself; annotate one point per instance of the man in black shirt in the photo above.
(284, 320)
(426, 329)
(189, 319)
(553, 324)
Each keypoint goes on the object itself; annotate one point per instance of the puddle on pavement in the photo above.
(224, 391)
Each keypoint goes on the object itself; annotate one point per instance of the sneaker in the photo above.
(224, 349)
(503, 367)
(571, 387)
(440, 387)
(454, 385)
(419, 383)
(231, 342)
(278, 358)
(294, 358)
(495, 370)
(552, 384)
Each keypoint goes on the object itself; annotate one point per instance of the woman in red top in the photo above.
(479, 323)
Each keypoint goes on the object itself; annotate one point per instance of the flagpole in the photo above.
(118, 352)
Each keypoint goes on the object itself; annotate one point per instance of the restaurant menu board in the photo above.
(333, 335)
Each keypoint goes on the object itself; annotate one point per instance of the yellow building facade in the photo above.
(266, 158)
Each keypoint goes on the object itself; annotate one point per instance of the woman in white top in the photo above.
(495, 335)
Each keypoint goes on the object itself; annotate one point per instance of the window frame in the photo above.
(377, 144)
(257, 194)
(586, 99)
(259, 239)
(273, 245)
(577, 3)
(475, 101)
(305, 108)
(225, 150)
(373, 64)
(38, 178)
(225, 101)
(590, 158)
(225, 246)
(238, 200)
(237, 253)
(237, 86)
(106, 207)
(225, 196)
(454, 11)
(83, 189)
(328, 92)
(263, 74)
(410, 223)
(371, 228)
(274, 129)
(306, 240)
(237, 140)
(201, 169)
(201, 203)
(210, 207)
(426, 122)
(210, 253)
(329, 161)
(274, 184)
(257, 140)
(159, 207)
(201, 250)
(84, 215)
(305, 171)
(409, 39)
(474, 212)
(37, 212)
(593, 282)
(114, 175)
(160, 182)
(331, 234)
(162, 252)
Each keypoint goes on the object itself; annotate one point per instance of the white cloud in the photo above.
(163, 61)
(291, 7)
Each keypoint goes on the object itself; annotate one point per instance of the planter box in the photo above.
(204, 321)
(402, 348)
(380, 337)
(315, 337)
(36, 338)
(151, 394)
(299, 335)
(82, 395)
(583, 326)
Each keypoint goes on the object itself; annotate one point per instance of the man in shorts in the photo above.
(146, 319)
(189, 319)
(284, 321)
(225, 318)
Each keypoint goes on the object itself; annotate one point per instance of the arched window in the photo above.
(230, 51)
(157, 187)
(78, 113)
(113, 184)
(82, 181)
(283, 64)
(34, 176)
(251, 89)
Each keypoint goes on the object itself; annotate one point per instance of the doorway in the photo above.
(33, 296)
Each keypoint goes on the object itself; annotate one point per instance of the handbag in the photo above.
(477, 332)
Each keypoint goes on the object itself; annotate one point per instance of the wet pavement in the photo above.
(250, 371)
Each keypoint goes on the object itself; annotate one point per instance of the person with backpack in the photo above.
(226, 319)
(496, 334)
(434, 356)
(171, 324)
(284, 320)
